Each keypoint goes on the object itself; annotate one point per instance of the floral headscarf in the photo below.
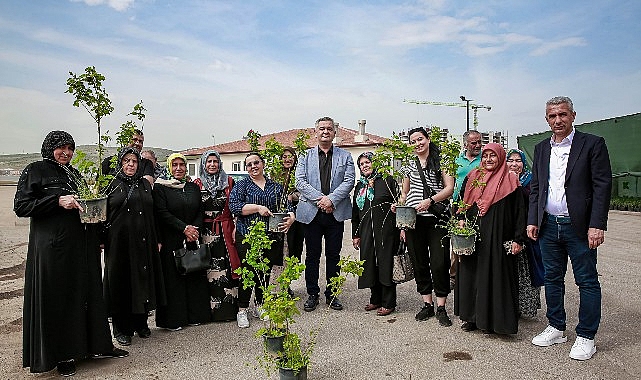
(54, 140)
(213, 182)
(367, 190)
(526, 174)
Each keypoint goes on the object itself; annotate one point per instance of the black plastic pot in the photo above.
(289, 374)
(274, 344)
(276, 219)
(405, 217)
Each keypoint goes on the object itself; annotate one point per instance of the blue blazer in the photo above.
(309, 185)
(588, 183)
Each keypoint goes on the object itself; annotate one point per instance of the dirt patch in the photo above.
(456, 355)
(11, 327)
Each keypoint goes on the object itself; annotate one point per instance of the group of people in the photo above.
(150, 215)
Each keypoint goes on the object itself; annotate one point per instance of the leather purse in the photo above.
(402, 269)
(192, 260)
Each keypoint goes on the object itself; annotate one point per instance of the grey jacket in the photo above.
(309, 185)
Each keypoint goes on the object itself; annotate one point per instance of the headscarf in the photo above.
(213, 182)
(168, 178)
(367, 190)
(498, 183)
(54, 140)
(287, 173)
(119, 172)
(526, 174)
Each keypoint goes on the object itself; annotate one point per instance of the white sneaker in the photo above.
(583, 349)
(242, 320)
(548, 337)
(259, 312)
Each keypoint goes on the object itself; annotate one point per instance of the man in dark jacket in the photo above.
(571, 186)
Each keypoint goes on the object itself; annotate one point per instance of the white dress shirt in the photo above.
(556, 203)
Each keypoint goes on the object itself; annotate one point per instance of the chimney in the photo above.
(337, 139)
(361, 137)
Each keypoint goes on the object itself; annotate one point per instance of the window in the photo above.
(235, 166)
(191, 170)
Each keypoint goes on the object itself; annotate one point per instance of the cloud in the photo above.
(548, 47)
(119, 5)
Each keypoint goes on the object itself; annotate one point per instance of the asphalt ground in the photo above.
(355, 344)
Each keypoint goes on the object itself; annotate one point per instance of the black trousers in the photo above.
(323, 225)
(127, 323)
(383, 295)
(429, 249)
(295, 237)
(275, 257)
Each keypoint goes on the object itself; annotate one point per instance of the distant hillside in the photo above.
(19, 161)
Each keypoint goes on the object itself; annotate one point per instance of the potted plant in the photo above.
(462, 235)
(388, 160)
(92, 183)
(274, 168)
(282, 348)
(89, 92)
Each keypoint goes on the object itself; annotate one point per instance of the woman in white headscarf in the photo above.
(179, 215)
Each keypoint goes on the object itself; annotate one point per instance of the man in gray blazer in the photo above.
(569, 201)
(324, 177)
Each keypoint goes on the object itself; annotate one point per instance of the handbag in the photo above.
(192, 260)
(402, 269)
(438, 209)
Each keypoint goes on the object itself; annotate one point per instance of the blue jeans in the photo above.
(558, 241)
(323, 225)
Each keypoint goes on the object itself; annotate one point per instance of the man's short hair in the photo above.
(467, 134)
(560, 100)
(324, 118)
(151, 153)
(138, 132)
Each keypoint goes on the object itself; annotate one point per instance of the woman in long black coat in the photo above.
(133, 278)
(64, 315)
(179, 216)
(486, 295)
(374, 233)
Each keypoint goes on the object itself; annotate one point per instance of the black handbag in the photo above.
(192, 260)
(439, 209)
(402, 269)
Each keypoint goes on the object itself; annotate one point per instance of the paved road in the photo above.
(355, 344)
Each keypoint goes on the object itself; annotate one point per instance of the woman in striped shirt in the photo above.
(427, 243)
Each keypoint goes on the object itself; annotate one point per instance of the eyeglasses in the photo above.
(253, 163)
(287, 156)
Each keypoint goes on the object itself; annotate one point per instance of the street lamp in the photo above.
(467, 106)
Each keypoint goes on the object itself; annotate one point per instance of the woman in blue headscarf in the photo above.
(529, 261)
(374, 233)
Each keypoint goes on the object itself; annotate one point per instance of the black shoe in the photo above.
(334, 303)
(426, 313)
(115, 353)
(67, 368)
(311, 303)
(441, 315)
(123, 340)
(468, 326)
(144, 333)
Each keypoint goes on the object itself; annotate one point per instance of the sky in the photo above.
(208, 71)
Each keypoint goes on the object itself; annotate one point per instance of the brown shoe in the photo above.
(384, 311)
(371, 306)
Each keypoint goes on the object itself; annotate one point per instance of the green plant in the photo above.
(89, 92)
(454, 225)
(390, 157)
(252, 140)
(450, 150)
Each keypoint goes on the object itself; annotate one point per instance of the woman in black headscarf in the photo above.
(64, 315)
(133, 278)
(374, 233)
